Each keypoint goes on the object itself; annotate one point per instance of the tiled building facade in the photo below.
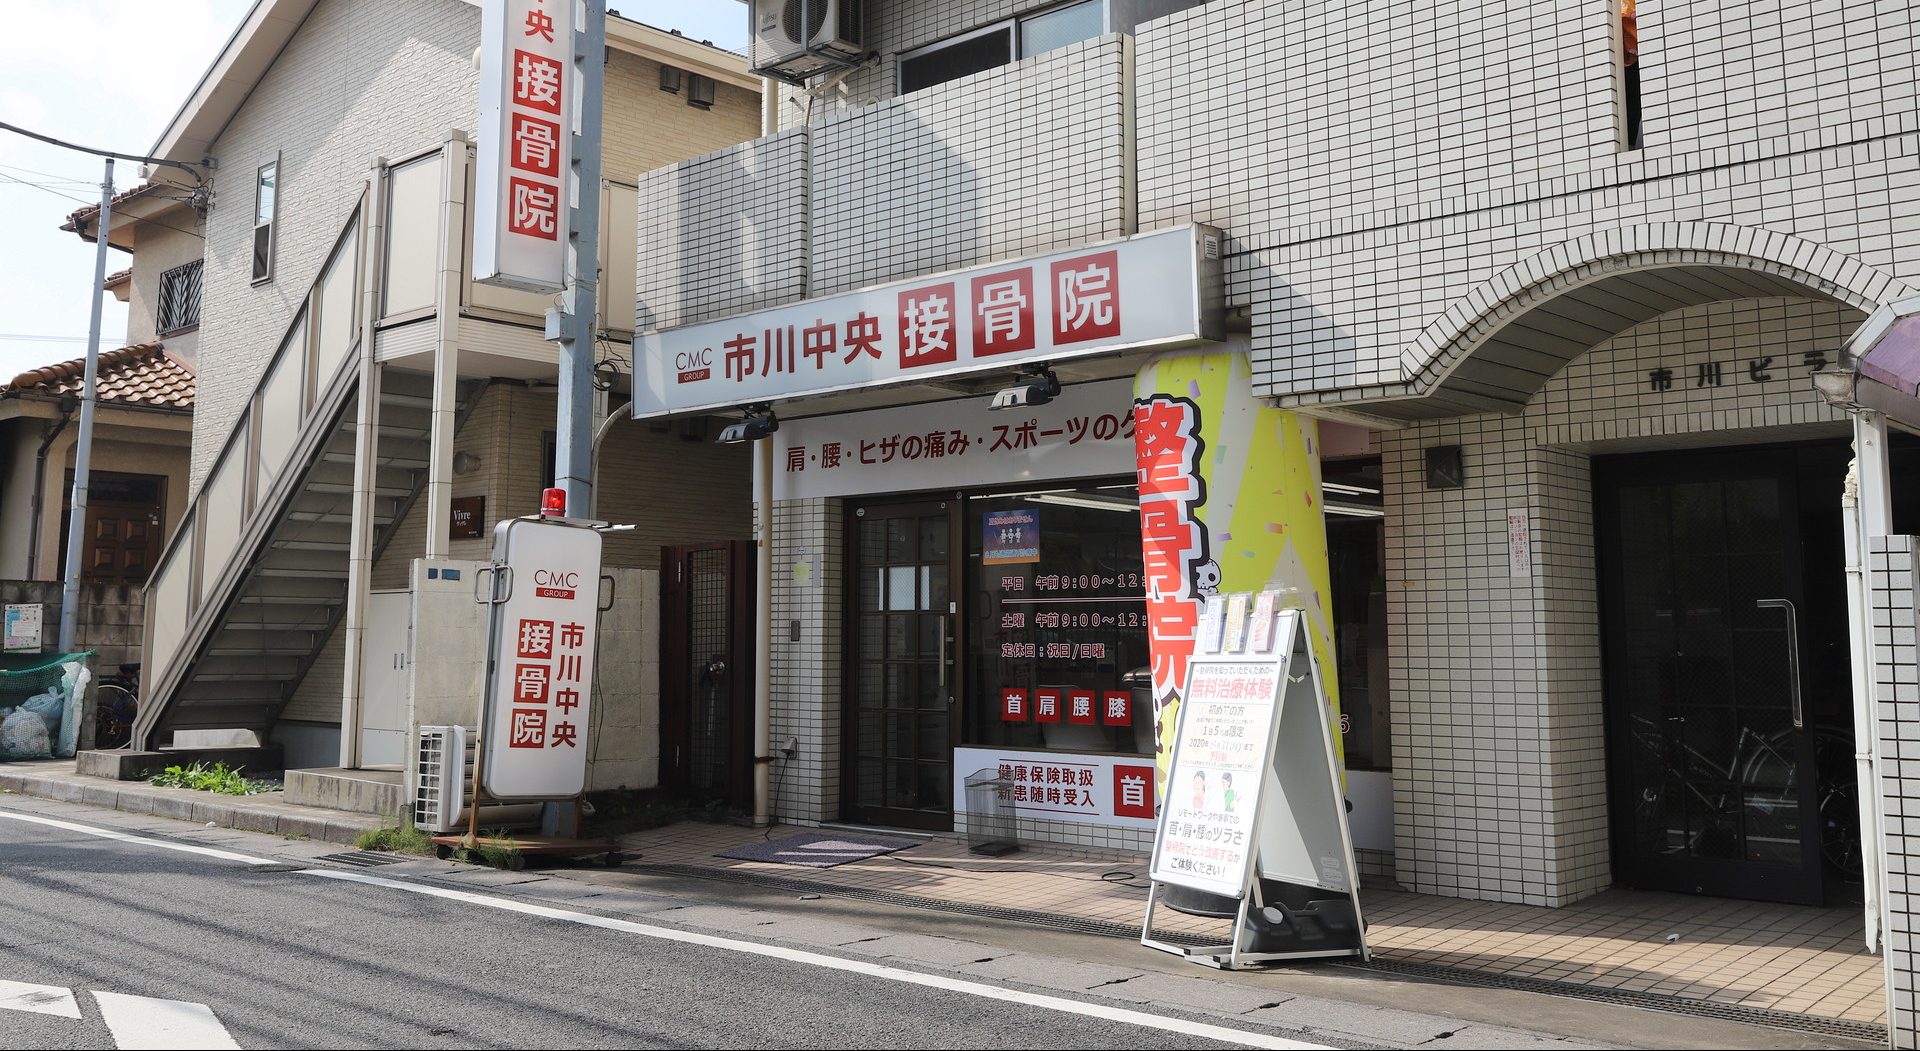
(1435, 226)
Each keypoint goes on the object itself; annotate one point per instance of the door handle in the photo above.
(943, 656)
(1793, 653)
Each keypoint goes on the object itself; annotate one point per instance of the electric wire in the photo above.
(191, 171)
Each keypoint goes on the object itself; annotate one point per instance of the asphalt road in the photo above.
(287, 959)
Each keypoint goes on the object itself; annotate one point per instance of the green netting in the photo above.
(40, 705)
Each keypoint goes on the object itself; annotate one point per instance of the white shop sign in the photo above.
(523, 178)
(1084, 433)
(546, 590)
(1064, 786)
(1154, 290)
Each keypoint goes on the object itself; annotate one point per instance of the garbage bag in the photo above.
(50, 706)
(23, 735)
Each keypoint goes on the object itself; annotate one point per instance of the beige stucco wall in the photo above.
(128, 442)
(161, 243)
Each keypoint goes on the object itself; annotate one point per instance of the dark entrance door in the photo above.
(122, 537)
(902, 680)
(706, 709)
(1712, 634)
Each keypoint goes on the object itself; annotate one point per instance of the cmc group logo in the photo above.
(549, 583)
(694, 365)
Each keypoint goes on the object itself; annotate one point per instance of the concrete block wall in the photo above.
(1499, 776)
(808, 589)
(109, 623)
(1896, 701)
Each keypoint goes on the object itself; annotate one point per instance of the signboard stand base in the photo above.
(1254, 706)
(1232, 957)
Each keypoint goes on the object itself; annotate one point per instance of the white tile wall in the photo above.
(1498, 743)
(1896, 697)
(807, 575)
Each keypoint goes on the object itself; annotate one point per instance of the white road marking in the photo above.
(164, 844)
(1182, 1027)
(143, 1023)
(1222, 1034)
(40, 999)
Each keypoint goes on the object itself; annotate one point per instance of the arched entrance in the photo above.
(1572, 676)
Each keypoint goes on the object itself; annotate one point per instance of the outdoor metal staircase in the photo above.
(254, 580)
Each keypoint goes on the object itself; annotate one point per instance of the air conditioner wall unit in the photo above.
(796, 39)
(441, 776)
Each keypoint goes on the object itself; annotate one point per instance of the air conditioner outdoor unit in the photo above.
(442, 772)
(797, 39)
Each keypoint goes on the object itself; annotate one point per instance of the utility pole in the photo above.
(579, 309)
(89, 395)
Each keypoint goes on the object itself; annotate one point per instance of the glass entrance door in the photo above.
(902, 677)
(1710, 735)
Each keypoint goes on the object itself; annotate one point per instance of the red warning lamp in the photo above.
(553, 503)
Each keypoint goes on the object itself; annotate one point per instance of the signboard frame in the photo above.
(524, 144)
(764, 356)
(506, 597)
(1297, 815)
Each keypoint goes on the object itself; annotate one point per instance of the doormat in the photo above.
(818, 850)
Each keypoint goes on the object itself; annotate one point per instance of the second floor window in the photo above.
(266, 183)
(1630, 81)
(179, 298)
(996, 45)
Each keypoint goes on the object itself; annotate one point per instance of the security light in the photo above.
(760, 423)
(1037, 386)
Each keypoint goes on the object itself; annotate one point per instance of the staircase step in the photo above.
(284, 590)
(327, 564)
(252, 667)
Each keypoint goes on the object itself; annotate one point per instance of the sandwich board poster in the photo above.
(1209, 829)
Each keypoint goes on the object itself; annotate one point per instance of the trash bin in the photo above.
(992, 825)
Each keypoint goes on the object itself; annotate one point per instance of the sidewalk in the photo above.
(266, 812)
(1783, 966)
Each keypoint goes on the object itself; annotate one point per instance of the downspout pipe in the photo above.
(1860, 667)
(52, 434)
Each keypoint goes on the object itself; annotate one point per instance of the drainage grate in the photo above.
(1459, 976)
(1650, 1001)
(363, 859)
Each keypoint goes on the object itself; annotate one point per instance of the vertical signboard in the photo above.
(523, 184)
(1229, 502)
(539, 687)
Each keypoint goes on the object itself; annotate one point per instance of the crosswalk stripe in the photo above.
(143, 1023)
(40, 999)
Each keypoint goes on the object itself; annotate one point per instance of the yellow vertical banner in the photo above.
(1229, 502)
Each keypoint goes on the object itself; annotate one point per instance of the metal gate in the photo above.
(706, 714)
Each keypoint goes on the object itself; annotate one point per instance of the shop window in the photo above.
(1630, 71)
(1058, 618)
(1056, 609)
(996, 45)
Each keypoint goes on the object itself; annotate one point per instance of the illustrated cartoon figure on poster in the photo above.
(1206, 577)
(1226, 792)
(1199, 790)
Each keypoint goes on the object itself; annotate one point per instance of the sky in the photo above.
(110, 74)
